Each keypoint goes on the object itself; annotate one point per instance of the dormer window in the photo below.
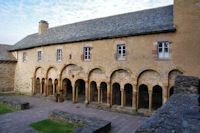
(163, 50)
(121, 52)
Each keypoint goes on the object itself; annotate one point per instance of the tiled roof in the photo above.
(5, 55)
(149, 21)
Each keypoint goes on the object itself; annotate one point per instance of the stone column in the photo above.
(76, 94)
(53, 87)
(150, 99)
(109, 101)
(86, 92)
(41, 86)
(98, 89)
(73, 91)
(165, 94)
(134, 100)
(46, 87)
(122, 97)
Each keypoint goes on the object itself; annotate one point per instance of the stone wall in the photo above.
(7, 73)
(187, 85)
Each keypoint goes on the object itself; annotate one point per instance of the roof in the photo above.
(149, 21)
(5, 55)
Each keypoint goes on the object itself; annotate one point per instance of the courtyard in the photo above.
(19, 121)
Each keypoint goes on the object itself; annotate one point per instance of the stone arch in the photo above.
(128, 92)
(157, 97)
(96, 74)
(72, 71)
(52, 73)
(80, 90)
(67, 89)
(103, 87)
(93, 92)
(120, 76)
(143, 96)
(172, 75)
(116, 94)
(149, 77)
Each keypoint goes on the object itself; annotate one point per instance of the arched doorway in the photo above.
(116, 94)
(80, 90)
(43, 83)
(143, 96)
(103, 87)
(93, 92)
(128, 91)
(37, 86)
(171, 91)
(67, 89)
(157, 97)
(50, 87)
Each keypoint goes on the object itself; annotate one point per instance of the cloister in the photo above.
(147, 90)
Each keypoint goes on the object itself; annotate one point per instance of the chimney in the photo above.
(43, 26)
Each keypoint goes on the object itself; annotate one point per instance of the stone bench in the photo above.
(89, 125)
(14, 103)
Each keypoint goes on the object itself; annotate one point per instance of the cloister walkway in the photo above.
(17, 122)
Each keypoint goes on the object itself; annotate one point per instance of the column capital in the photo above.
(122, 89)
(150, 91)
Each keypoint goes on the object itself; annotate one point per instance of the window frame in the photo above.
(163, 50)
(87, 53)
(59, 55)
(24, 56)
(39, 56)
(121, 52)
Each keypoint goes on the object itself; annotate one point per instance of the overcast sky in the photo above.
(19, 18)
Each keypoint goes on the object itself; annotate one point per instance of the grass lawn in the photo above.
(50, 126)
(5, 109)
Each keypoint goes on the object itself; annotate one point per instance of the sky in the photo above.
(19, 18)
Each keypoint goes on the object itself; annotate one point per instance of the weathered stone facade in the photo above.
(7, 72)
(140, 81)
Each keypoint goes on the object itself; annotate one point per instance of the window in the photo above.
(39, 55)
(86, 51)
(59, 54)
(24, 56)
(121, 52)
(163, 50)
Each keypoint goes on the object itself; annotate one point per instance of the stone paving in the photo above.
(17, 122)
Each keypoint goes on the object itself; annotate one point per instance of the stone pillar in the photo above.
(165, 94)
(99, 95)
(134, 100)
(122, 97)
(76, 94)
(86, 92)
(46, 87)
(73, 91)
(53, 87)
(150, 99)
(41, 86)
(109, 101)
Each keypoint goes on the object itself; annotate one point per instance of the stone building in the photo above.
(7, 69)
(127, 61)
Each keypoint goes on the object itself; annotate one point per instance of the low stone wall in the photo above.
(14, 103)
(90, 125)
(187, 85)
